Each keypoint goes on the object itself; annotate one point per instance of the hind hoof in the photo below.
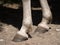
(40, 29)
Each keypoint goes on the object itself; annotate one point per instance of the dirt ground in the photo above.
(52, 37)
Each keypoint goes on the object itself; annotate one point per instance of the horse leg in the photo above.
(46, 17)
(27, 22)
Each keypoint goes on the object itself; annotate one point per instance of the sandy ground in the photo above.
(52, 37)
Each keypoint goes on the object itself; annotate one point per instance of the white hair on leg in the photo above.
(27, 21)
(27, 18)
(47, 16)
(46, 12)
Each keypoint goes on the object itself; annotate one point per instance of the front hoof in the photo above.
(19, 38)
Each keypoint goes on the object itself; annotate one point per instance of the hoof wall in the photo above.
(19, 38)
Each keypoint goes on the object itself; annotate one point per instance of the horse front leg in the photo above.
(46, 17)
(27, 22)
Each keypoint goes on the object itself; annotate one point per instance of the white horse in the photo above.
(27, 19)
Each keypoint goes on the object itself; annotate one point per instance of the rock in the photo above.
(58, 30)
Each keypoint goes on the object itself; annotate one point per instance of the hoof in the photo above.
(41, 30)
(19, 38)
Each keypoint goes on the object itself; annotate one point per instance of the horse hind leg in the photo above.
(47, 17)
